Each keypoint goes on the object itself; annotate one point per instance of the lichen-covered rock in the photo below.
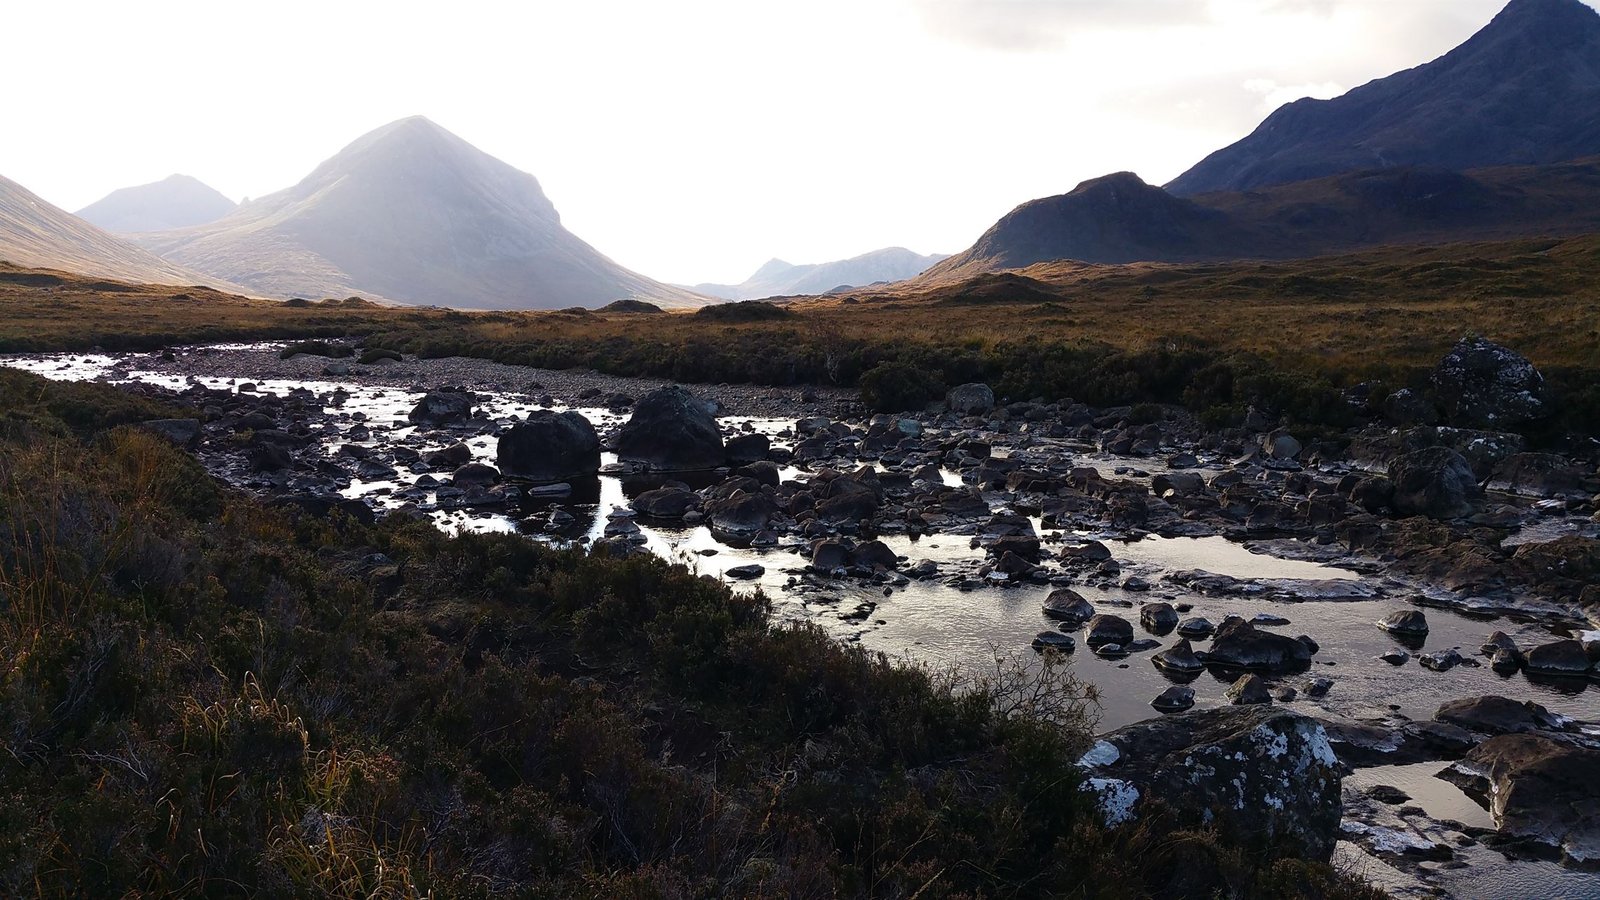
(1253, 772)
(442, 408)
(970, 399)
(1481, 384)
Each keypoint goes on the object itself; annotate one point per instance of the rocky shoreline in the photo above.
(1428, 515)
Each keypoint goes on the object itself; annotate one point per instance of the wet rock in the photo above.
(1285, 694)
(1559, 658)
(1238, 644)
(1252, 772)
(748, 448)
(667, 503)
(1054, 640)
(1179, 659)
(1088, 552)
(875, 555)
(1441, 660)
(1247, 690)
(1481, 384)
(1543, 474)
(1108, 629)
(970, 399)
(1067, 605)
(442, 408)
(1395, 657)
(182, 432)
(763, 471)
(1318, 687)
(1538, 788)
(1505, 662)
(1498, 715)
(457, 454)
(1174, 699)
(830, 555)
(742, 514)
(1406, 622)
(474, 475)
(1158, 618)
(1280, 445)
(1198, 627)
(1436, 482)
(671, 430)
(746, 572)
(550, 447)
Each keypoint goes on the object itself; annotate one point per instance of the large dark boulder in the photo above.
(550, 447)
(666, 503)
(970, 399)
(1481, 384)
(742, 514)
(1240, 645)
(671, 431)
(1256, 773)
(1538, 788)
(1436, 482)
(442, 408)
(1498, 715)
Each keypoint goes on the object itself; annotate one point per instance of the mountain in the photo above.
(780, 279)
(1120, 219)
(35, 234)
(1523, 91)
(414, 214)
(177, 201)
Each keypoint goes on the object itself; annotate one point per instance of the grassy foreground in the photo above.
(203, 695)
(1286, 337)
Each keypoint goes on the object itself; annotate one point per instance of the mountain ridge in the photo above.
(777, 278)
(411, 213)
(177, 201)
(1523, 90)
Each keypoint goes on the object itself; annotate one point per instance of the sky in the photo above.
(693, 140)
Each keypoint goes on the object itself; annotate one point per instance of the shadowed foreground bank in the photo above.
(204, 695)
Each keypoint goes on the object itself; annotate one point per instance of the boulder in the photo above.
(442, 408)
(1406, 623)
(1481, 384)
(1179, 659)
(1248, 690)
(1498, 715)
(1538, 788)
(828, 555)
(1559, 658)
(1054, 640)
(1436, 482)
(1174, 699)
(1104, 629)
(1240, 645)
(474, 475)
(741, 514)
(748, 448)
(1252, 772)
(550, 447)
(1407, 407)
(1158, 618)
(970, 399)
(875, 555)
(666, 503)
(1067, 605)
(1198, 627)
(671, 430)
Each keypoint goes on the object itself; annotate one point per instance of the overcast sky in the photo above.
(694, 140)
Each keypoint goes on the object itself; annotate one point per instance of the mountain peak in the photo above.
(177, 201)
(1524, 90)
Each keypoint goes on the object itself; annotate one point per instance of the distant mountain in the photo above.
(177, 201)
(414, 214)
(35, 234)
(1120, 219)
(1523, 91)
(780, 279)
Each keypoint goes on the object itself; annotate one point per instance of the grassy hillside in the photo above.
(1216, 337)
(203, 695)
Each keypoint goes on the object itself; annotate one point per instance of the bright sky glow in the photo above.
(693, 140)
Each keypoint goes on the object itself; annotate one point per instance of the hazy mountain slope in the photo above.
(1120, 219)
(177, 201)
(780, 279)
(412, 213)
(35, 234)
(1523, 91)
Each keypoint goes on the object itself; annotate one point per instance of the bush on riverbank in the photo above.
(204, 695)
